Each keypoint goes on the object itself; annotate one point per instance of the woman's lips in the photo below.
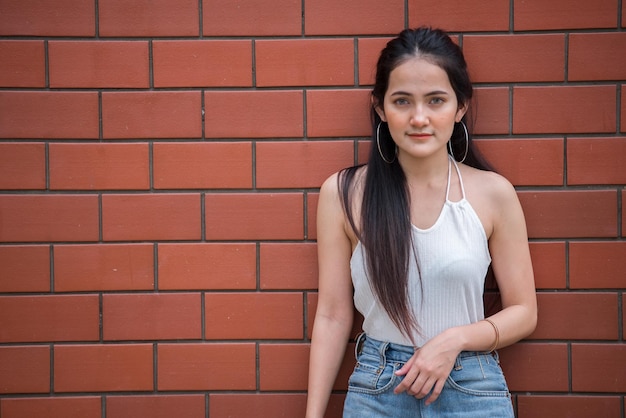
(420, 135)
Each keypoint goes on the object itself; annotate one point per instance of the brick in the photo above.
(254, 114)
(471, 15)
(549, 264)
(202, 165)
(492, 110)
(311, 215)
(99, 166)
(103, 267)
(597, 265)
(623, 214)
(568, 406)
(361, 17)
(515, 58)
(598, 368)
(154, 114)
(148, 18)
(244, 405)
(338, 113)
(335, 405)
(311, 308)
(49, 318)
(300, 164)
(28, 218)
(563, 14)
(570, 214)
(48, 18)
(492, 300)
(557, 311)
(206, 366)
(151, 217)
(103, 368)
(23, 63)
(22, 166)
(623, 107)
(53, 407)
(156, 406)
(246, 216)
(603, 49)
(207, 266)
(369, 50)
(364, 149)
(283, 366)
(596, 161)
(205, 63)
(165, 316)
(24, 369)
(253, 315)
(96, 64)
(536, 367)
(256, 18)
(49, 115)
(526, 162)
(564, 109)
(304, 62)
(24, 268)
(288, 266)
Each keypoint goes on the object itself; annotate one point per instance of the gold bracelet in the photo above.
(497, 341)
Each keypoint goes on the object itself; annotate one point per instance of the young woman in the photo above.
(408, 239)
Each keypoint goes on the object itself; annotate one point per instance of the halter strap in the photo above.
(458, 172)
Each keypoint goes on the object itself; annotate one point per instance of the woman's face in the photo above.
(420, 108)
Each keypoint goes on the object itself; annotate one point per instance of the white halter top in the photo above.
(453, 257)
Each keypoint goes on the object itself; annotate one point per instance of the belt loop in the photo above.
(358, 345)
(382, 350)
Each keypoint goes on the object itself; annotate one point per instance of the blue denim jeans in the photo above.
(475, 388)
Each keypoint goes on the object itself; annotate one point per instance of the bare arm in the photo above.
(513, 269)
(334, 316)
(508, 245)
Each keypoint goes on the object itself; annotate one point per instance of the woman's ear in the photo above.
(461, 112)
(379, 110)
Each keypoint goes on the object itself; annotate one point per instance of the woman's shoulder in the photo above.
(488, 184)
(331, 184)
(350, 178)
(491, 195)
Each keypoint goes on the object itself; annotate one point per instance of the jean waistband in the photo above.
(401, 353)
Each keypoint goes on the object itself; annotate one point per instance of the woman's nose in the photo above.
(419, 117)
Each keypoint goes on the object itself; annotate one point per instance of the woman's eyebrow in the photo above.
(432, 93)
(437, 93)
(400, 93)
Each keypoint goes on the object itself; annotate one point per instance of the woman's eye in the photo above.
(436, 100)
(401, 101)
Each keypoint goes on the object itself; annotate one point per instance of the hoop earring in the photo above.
(380, 151)
(466, 143)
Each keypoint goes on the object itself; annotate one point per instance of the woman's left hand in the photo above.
(428, 369)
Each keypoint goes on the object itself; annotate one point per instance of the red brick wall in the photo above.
(159, 169)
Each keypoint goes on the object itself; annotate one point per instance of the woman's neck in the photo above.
(425, 171)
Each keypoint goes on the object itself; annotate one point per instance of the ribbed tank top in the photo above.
(453, 257)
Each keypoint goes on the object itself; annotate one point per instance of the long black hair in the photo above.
(384, 227)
